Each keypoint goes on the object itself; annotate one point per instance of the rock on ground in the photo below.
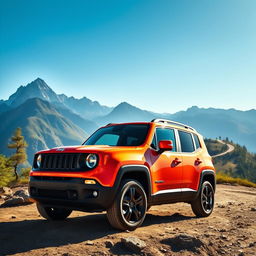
(24, 194)
(16, 200)
(20, 197)
(6, 191)
(184, 242)
(134, 243)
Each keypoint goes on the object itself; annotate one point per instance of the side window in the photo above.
(186, 142)
(154, 144)
(197, 142)
(166, 134)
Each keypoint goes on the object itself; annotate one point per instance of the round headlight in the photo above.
(38, 161)
(91, 160)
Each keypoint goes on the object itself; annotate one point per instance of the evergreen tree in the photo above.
(20, 156)
(6, 175)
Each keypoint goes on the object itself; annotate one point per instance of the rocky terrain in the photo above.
(167, 230)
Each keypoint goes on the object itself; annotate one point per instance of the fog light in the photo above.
(95, 193)
(89, 182)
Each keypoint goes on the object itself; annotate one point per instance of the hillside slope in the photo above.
(235, 124)
(238, 163)
(42, 125)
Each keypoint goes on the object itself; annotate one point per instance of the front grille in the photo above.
(61, 161)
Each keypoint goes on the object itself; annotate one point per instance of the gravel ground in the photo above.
(168, 230)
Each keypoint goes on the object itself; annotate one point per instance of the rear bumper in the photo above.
(70, 193)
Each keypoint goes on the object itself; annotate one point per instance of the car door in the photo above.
(166, 166)
(191, 160)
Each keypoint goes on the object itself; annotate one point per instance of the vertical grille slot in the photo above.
(60, 161)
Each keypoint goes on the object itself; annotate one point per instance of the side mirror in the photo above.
(165, 145)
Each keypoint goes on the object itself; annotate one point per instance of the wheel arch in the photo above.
(208, 175)
(140, 173)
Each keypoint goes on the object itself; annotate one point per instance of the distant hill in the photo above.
(39, 89)
(239, 163)
(42, 125)
(212, 123)
(3, 107)
(88, 126)
(235, 124)
(125, 112)
(85, 107)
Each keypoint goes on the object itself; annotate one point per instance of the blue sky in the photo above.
(159, 55)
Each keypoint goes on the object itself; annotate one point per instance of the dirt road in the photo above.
(230, 230)
(230, 149)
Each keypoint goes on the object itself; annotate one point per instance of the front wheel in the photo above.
(203, 205)
(53, 213)
(129, 208)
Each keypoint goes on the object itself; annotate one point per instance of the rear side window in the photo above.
(166, 134)
(186, 142)
(197, 142)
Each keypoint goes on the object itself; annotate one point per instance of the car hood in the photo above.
(89, 149)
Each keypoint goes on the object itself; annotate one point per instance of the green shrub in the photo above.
(6, 173)
(223, 178)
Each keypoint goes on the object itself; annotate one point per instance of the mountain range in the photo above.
(48, 119)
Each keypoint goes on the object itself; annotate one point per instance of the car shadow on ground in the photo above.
(26, 235)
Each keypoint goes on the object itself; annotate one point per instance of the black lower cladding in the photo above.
(70, 193)
(169, 198)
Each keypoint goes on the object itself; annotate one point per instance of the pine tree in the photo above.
(20, 155)
(6, 175)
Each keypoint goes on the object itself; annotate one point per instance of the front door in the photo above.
(166, 167)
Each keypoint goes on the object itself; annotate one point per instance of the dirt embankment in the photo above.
(167, 230)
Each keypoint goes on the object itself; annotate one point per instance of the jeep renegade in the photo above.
(124, 169)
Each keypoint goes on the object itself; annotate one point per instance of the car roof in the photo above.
(161, 122)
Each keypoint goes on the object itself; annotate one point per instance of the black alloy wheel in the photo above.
(129, 208)
(203, 205)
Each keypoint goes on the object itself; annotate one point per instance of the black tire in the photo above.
(52, 213)
(129, 208)
(204, 203)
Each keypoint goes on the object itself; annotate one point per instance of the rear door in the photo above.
(191, 159)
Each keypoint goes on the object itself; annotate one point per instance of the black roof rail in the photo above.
(166, 121)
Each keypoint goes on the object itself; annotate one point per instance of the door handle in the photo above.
(175, 162)
(198, 161)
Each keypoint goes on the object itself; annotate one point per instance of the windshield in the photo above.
(119, 135)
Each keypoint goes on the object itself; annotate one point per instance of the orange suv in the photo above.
(124, 169)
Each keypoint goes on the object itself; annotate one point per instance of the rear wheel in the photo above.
(53, 213)
(204, 203)
(129, 208)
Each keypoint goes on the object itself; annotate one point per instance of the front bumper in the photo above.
(70, 193)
